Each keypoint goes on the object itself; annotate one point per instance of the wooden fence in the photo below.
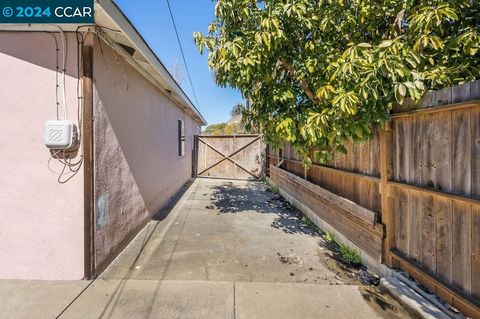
(229, 156)
(421, 174)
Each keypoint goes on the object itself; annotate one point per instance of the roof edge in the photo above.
(130, 32)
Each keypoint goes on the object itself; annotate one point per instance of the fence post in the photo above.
(195, 157)
(88, 161)
(386, 173)
(267, 160)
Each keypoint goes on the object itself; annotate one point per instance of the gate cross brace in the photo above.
(229, 157)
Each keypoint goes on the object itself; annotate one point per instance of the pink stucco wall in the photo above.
(41, 221)
(137, 167)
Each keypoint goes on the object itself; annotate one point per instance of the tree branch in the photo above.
(303, 83)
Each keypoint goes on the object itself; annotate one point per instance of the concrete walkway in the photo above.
(226, 249)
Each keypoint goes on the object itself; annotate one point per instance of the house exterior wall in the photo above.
(41, 220)
(137, 167)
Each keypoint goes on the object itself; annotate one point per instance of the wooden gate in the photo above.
(230, 156)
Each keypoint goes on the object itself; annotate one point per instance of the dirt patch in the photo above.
(291, 260)
(383, 303)
(342, 272)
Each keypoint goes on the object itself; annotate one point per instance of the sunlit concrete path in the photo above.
(227, 249)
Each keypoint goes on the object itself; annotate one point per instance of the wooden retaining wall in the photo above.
(355, 222)
(421, 174)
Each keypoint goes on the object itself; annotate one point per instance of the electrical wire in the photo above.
(73, 168)
(57, 102)
(183, 54)
(66, 157)
(64, 71)
(79, 86)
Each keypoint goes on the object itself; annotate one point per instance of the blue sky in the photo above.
(152, 20)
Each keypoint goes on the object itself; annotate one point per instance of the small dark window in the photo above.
(181, 138)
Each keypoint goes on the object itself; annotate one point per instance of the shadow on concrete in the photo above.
(230, 198)
(167, 208)
(150, 230)
(382, 302)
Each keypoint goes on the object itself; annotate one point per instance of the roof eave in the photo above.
(145, 55)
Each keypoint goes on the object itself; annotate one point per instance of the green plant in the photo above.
(274, 189)
(223, 129)
(307, 222)
(319, 73)
(349, 256)
(329, 237)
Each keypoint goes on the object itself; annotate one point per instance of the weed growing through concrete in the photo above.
(349, 256)
(274, 189)
(307, 222)
(329, 237)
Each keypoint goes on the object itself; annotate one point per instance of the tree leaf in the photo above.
(419, 85)
(364, 45)
(385, 44)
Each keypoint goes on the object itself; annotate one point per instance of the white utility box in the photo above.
(59, 134)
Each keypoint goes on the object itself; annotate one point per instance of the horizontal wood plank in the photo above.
(364, 235)
(335, 170)
(445, 195)
(431, 110)
(469, 305)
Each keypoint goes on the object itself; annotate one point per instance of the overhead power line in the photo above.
(183, 54)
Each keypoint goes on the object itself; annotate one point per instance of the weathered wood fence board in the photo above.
(364, 232)
(362, 189)
(230, 156)
(422, 175)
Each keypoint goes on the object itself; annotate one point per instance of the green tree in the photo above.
(216, 129)
(237, 110)
(321, 72)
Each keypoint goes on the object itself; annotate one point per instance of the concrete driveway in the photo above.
(228, 249)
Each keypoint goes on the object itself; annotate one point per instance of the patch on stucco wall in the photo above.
(102, 210)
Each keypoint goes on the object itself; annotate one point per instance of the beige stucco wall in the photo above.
(41, 221)
(137, 168)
